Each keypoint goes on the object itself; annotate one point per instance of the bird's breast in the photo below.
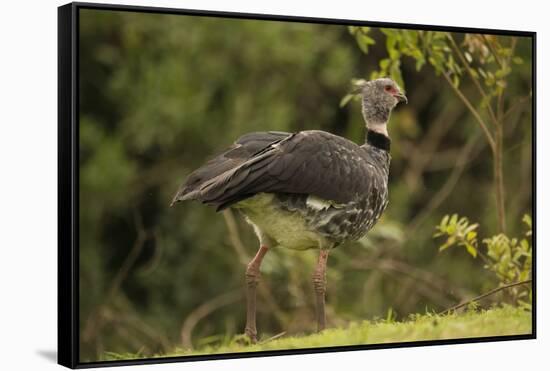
(276, 225)
(304, 221)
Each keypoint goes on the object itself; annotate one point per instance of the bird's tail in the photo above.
(183, 195)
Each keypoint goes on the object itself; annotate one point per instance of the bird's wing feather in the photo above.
(310, 162)
(242, 150)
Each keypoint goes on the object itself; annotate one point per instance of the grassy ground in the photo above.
(493, 322)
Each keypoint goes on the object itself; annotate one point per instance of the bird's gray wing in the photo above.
(308, 162)
(242, 150)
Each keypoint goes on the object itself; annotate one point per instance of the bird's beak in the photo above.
(401, 97)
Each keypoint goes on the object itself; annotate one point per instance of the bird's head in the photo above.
(379, 98)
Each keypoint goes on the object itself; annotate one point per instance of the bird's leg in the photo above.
(252, 278)
(320, 284)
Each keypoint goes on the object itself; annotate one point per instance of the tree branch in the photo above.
(447, 188)
(204, 310)
(489, 293)
(516, 104)
(474, 112)
(234, 237)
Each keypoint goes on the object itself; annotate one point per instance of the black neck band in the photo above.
(378, 140)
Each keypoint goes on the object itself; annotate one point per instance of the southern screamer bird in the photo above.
(305, 190)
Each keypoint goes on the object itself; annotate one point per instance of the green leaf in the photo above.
(527, 220)
(346, 99)
(485, 101)
(456, 81)
(367, 39)
(444, 221)
(454, 219)
(364, 48)
(391, 40)
(482, 72)
(395, 74)
(384, 64)
(525, 245)
(420, 61)
(471, 250)
(389, 315)
(364, 41)
(503, 72)
(394, 54)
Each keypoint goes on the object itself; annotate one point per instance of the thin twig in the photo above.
(499, 145)
(422, 154)
(513, 45)
(155, 260)
(273, 338)
(426, 283)
(489, 293)
(499, 176)
(473, 111)
(94, 322)
(446, 160)
(447, 188)
(516, 104)
(140, 325)
(234, 237)
(204, 310)
(492, 50)
(131, 258)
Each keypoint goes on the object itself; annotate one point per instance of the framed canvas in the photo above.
(242, 185)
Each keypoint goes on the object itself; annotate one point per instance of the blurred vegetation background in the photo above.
(159, 94)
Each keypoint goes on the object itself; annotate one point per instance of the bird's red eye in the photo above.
(388, 87)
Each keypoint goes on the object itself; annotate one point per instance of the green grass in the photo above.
(493, 322)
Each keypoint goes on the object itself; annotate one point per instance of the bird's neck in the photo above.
(376, 116)
(380, 128)
(378, 138)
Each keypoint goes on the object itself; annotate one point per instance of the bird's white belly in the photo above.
(283, 228)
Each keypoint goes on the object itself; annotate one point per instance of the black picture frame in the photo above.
(68, 182)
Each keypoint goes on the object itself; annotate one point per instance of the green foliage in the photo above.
(459, 232)
(510, 259)
(486, 58)
(422, 46)
(362, 36)
(492, 322)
